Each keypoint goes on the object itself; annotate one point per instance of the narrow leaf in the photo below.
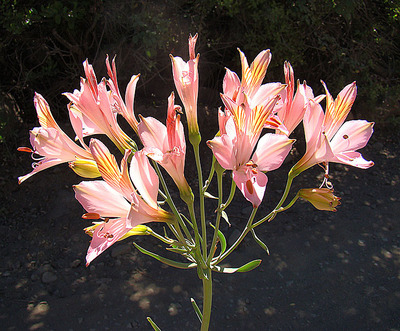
(225, 217)
(221, 238)
(176, 250)
(245, 268)
(197, 310)
(154, 325)
(164, 260)
(258, 241)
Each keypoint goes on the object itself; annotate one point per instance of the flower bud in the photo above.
(321, 198)
(85, 168)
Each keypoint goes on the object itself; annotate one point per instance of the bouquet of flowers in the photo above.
(255, 125)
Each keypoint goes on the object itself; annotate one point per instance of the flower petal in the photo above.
(153, 133)
(271, 151)
(144, 178)
(337, 111)
(104, 236)
(223, 150)
(251, 184)
(352, 136)
(354, 159)
(99, 197)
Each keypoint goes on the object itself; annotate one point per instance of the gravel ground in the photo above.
(325, 271)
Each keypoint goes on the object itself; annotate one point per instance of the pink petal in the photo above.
(52, 143)
(39, 166)
(297, 108)
(109, 169)
(312, 121)
(352, 136)
(251, 184)
(129, 101)
(99, 197)
(271, 151)
(153, 133)
(82, 125)
(231, 84)
(44, 114)
(104, 236)
(144, 178)
(337, 111)
(223, 150)
(265, 92)
(354, 159)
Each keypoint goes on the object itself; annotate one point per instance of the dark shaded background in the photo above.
(326, 270)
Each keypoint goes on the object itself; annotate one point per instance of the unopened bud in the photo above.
(85, 168)
(321, 198)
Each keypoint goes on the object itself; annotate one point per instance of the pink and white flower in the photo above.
(123, 202)
(50, 142)
(329, 138)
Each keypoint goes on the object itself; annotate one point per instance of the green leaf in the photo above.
(245, 268)
(258, 241)
(208, 195)
(164, 260)
(154, 325)
(197, 310)
(177, 250)
(225, 217)
(221, 238)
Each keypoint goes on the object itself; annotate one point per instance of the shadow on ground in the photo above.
(327, 271)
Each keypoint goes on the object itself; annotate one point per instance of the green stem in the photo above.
(210, 176)
(201, 198)
(207, 300)
(245, 231)
(286, 192)
(172, 204)
(280, 203)
(199, 257)
(290, 204)
(231, 195)
(161, 238)
(218, 217)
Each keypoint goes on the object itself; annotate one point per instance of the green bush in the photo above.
(42, 46)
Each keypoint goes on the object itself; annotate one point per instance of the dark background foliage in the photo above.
(42, 47)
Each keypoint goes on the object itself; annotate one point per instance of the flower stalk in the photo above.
(121, 194)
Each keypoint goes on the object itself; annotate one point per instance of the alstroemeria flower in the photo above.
(328, 138)
(250, 91)
(235, 149)
(122, 203)
(293, 106)
(50, 142)
(123, 108)
(166, 144)
(92, 110)
(186, 78)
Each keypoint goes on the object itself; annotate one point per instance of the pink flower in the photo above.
(92, 109)
(250, 91)
(166, 144)
(50, 142)
(235, 149)
(328, 138)
(293, 106)
(187, 83)
(122, 203)
(121, 107)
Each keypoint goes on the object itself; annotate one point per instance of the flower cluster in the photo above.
(255, 125)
